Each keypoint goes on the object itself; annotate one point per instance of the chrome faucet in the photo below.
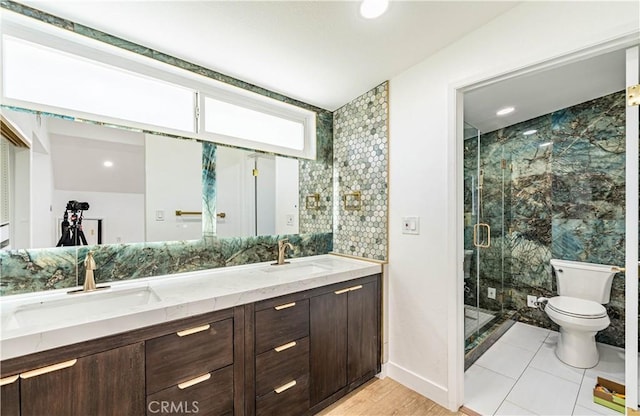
(90, 266)
(282, 248)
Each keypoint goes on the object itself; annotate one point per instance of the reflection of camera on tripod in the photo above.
(72, 234)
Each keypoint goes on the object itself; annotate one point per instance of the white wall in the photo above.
(425, 271)
(41, 188)
(173, 182)
(21, 199)
(41, 200)
(31, 193)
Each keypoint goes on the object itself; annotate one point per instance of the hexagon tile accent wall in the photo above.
(360, 161)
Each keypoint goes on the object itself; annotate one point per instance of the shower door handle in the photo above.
(476, 232)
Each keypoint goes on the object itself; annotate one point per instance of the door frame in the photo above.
(455, 160)
(631, 233)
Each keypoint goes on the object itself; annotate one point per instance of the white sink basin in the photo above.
(299, 269)
(78, 306)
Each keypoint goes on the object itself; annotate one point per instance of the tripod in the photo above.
(72, 234)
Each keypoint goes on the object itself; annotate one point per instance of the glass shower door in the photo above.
(486, 182)
(472, 253)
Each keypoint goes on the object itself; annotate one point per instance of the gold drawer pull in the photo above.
(349, 289)
(193, 330)
(285, 387)
(285, 346)
(48, 369)
(8, 380)
(196, 380)
(285, 306)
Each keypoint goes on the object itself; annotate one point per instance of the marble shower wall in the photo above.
(41, 269)
(558, 193)
(360, 157)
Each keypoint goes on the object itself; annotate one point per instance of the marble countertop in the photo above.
(40, 321)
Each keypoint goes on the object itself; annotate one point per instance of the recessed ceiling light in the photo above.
(530, 132)
(107, 163)
(370, 9)
(545, 144)
(505, 111)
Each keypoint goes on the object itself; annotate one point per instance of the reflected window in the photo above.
(232, 120)
(41, 75)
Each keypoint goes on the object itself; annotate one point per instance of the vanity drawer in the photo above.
(213, 396)
(281, 324)
(278, 366)
(292, 399)
(188, 353)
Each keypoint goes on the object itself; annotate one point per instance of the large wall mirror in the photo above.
(138, 186)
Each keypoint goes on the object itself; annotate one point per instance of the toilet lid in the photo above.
(576, 307)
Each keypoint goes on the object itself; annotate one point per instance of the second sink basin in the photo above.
(66, 307)
(295, 269)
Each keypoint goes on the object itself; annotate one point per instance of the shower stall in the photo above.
(548, 187)
(487, 169)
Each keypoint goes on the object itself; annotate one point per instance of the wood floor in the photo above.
(385, 397)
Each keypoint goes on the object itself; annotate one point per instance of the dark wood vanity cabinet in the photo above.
(282, 356)
(179, 367)
(10, 396)
(345, 338)
(191, 371)
(107, 383)
(312, 347)
(287, 356)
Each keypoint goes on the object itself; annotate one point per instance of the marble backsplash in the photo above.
(23, 271)
(557, 193)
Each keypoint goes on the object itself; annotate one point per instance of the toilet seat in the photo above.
(577, 308)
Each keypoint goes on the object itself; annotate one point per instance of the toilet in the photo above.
(578, 310)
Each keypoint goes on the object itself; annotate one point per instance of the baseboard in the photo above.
(421, 385)
(383, 372)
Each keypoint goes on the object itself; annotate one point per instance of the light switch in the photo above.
(160, 215)
(411, 225)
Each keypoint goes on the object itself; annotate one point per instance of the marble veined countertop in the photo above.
(35, 322)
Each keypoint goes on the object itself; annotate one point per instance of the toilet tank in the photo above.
(588, 281)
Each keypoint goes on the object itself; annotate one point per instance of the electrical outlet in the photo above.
(531, 301)
(491, 293)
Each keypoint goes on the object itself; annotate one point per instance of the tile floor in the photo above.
(521, 375)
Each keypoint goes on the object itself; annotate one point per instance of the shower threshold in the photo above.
(478, 343)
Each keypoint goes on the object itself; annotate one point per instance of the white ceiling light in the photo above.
(530, 132)
(107, 163)
(505, 111)
(370, 9)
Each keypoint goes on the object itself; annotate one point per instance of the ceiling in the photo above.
(320, 52)
(77, 163)
(542, 92)
(323, 53)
